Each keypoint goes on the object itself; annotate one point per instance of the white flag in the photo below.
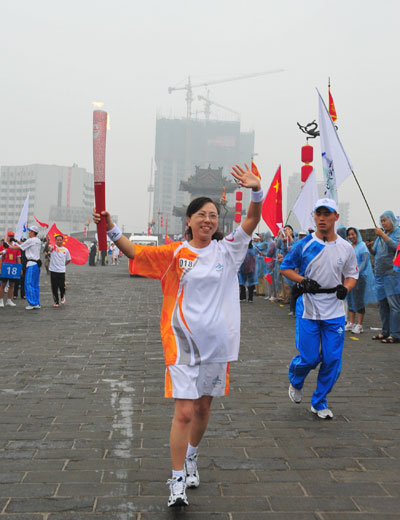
(304, 206)
(335, 163)
(23, 220)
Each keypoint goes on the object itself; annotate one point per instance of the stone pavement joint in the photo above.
(84, 425)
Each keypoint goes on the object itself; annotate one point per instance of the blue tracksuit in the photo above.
(320, 318)
(32, 290)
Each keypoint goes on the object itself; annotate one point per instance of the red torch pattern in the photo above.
(99, 166)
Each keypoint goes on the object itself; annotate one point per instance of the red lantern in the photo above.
(238, 218)
(306, 172)
(239, 195)
(307, 153)
(238, 206)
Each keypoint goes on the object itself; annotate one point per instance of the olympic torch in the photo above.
(99, 167)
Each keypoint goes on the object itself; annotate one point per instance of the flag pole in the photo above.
(363, 196)
(350, 167)
(288, 217)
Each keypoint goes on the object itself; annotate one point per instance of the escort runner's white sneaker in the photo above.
(357, 329)
(10, 303)
(295, 394)
(177, 488)
(191, 471)
(349, 326)
(323, 414)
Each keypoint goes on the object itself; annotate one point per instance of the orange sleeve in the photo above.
(152, 261)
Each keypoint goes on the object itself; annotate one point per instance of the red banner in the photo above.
(268, 278)
(332, 109)
(41, 224)
(254, 170)
(79, 252)
(396, 260)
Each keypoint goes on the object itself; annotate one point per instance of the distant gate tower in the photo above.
(208, 182)
(215, 144)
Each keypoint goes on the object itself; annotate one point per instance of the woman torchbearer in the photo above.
(200, 318)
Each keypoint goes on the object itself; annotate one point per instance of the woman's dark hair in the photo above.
(289, 226)
(196, 206)
(350, 229)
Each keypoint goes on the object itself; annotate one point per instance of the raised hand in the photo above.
(245, 178)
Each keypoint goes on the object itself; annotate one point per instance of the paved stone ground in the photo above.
(84, 426)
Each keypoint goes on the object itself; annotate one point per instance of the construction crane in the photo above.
(189, 87)
(208, 102)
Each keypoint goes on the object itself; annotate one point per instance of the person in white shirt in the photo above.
(115, 254)
(327, 271)
(60, 257)
(32, 247)
(200, 318)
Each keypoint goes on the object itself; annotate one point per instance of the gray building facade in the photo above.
(60, 194)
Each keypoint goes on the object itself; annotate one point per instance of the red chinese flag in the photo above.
(167, 239)
(396, 260)
(268, 278)
(79, 252)
(41, 224)
(272, 206)
(254, 170)
(332, 109)
(267, 259)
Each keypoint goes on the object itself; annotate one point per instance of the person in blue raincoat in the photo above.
(387, 279)
(364, 291)
(261, 246)
(248, 274)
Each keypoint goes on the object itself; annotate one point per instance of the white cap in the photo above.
(326, 203)
(35, 229)
(303, 233)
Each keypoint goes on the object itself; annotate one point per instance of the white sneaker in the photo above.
(191, 472)
(349, 326)
(10, 303)
(357, 329)
(2, 303)
(323, 414)
(273, 299)
(295, 394)
(177, 488)
(29, 307)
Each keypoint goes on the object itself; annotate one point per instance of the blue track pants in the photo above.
(32, 291)
(318, 342)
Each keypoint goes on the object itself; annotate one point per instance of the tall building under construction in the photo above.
(181, 146)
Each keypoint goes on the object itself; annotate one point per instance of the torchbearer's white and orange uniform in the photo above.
(200, 317)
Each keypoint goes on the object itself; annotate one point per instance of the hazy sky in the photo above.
(57, 57)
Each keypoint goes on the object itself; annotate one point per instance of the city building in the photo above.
(61, 194)
(181, 146)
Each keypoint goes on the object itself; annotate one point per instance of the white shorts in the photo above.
(192, 382)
